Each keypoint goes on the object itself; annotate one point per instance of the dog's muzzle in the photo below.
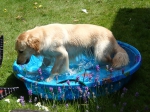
(20, 63)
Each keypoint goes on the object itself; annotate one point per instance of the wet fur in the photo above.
(65, 41)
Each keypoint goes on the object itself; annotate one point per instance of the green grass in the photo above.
(128, 20)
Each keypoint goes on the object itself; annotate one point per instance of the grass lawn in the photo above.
(129, 20)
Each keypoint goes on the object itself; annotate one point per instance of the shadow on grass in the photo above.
(133, 26)
(12, 81)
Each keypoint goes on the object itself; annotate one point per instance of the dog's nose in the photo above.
(27, 61)
(18, 62)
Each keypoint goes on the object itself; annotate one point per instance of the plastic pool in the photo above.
(86, 77)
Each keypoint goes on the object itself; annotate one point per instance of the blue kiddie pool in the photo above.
(85, 79)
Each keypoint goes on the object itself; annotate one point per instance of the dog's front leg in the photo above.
(46, 62)
(61, 63)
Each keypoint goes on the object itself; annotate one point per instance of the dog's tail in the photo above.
(120, 58)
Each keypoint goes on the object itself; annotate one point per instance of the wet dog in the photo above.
(64, 41)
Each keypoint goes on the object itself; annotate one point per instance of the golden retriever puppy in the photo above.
(63, 41)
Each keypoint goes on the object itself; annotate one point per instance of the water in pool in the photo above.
(87, 69)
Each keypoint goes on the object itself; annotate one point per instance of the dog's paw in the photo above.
(52, 76)
(49, 79)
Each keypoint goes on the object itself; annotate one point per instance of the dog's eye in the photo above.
(20, 52)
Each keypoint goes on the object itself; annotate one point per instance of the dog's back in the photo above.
(78, 38)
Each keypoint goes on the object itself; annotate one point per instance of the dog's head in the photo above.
(26, 45)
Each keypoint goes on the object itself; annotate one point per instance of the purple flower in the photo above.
(86, 88)
(88, 94)
(22, 97)
(67, 105)
(96, 79)
(124, 104)
(77, 79)
(136, 94)
(84, 98)
(51, 89)
(42, 77)
(68, 82)
(40, 71)
(146, 107)
(22, 100)
(94, 85)
(30, 92)
(79, 89)
(111, 70)
(97, 68)
(125, 89)
(59, 89)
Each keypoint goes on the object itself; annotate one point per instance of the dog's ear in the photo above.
(21, 41)
(34, 43)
